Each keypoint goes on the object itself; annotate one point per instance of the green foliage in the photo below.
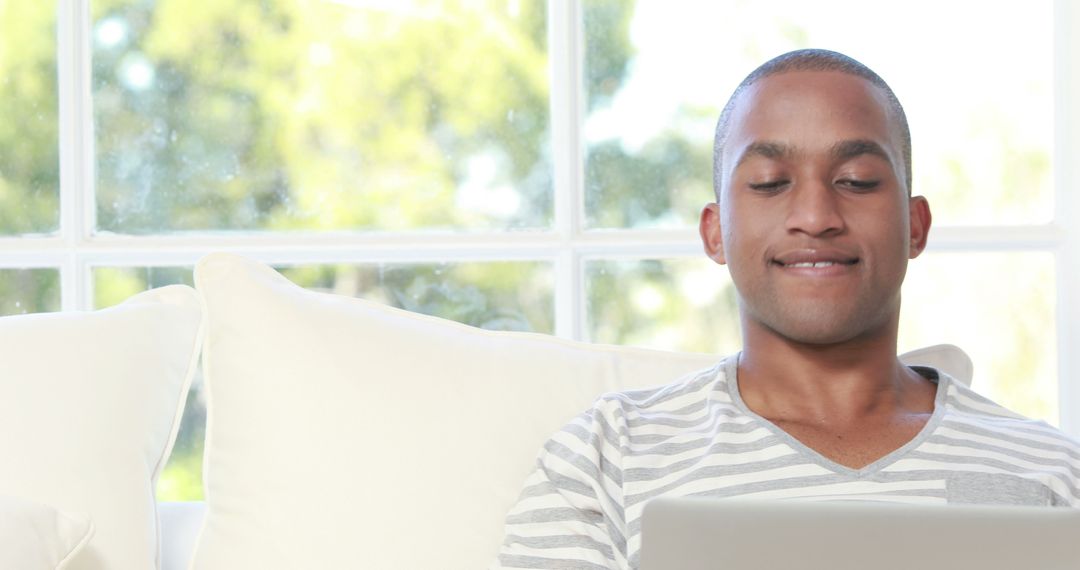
(679, 304)
(181, 479)
(113, 285)
(665, 184)
(496, 296)
(29, 291)
(289, 114)
(29, 153)
(608, 49)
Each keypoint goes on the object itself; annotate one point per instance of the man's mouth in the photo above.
(815, 259)
(816, 263)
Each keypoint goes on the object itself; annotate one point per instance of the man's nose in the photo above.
(814, 209)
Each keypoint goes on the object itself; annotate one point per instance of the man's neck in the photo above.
(843, 384)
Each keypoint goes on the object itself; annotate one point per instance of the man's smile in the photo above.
(815, 262)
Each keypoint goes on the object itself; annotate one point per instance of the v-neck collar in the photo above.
(731, 370)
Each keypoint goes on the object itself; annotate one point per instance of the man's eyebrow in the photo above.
(844, 150)
(765, 149)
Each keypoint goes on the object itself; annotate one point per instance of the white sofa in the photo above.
(340, 434)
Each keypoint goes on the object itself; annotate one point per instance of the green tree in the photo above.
(29, 147)
(665, 182)
(29, 126)
(288, 114)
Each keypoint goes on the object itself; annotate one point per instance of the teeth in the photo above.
(812, 264)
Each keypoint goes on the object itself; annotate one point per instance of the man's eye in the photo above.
(770, 186)
(855, 184)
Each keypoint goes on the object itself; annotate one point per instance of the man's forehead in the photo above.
(788, 88)
(794, 103)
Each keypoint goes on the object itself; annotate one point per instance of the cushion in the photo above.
(91, 404)
(341, 430)
(38, 537)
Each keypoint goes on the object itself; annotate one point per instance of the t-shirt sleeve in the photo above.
(569, 513)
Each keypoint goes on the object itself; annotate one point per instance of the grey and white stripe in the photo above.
(581, 508)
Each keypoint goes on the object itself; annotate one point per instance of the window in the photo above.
(516, 164)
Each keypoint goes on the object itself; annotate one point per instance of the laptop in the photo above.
(735, 534)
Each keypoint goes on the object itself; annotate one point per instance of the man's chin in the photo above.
(820, 338)
(822, 330)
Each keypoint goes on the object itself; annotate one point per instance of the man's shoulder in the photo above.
(648, 413)
(968, 407)
(691, 388)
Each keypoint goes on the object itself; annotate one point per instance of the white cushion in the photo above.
(34, 536)
(90, 407)
(342, 433)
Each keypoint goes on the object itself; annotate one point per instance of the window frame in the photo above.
(75, 249)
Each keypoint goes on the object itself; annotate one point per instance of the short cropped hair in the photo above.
(810, 60)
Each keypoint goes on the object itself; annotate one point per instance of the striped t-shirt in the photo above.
(581, 508)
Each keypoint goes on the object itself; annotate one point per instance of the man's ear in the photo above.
(919, 213)
(711, 234)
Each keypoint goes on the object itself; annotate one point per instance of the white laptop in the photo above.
(709, 534)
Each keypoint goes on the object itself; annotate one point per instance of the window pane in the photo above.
(497, 296)
(659, 71)
(673, 304)
(998, 307)
(313, 115)
(113, 285)
(29, 148)
(29, 291)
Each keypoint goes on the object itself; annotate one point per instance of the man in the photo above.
(816, 222)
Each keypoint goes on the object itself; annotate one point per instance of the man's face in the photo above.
(814, 219)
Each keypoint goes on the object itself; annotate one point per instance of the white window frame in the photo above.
(76, 250)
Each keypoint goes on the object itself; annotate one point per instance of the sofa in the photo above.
(340, 433)
(180, 524)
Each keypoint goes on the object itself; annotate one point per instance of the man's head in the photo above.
(814, 217)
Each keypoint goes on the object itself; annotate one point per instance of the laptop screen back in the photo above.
(704, 534)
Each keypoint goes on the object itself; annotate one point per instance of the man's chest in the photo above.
(751, 458)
